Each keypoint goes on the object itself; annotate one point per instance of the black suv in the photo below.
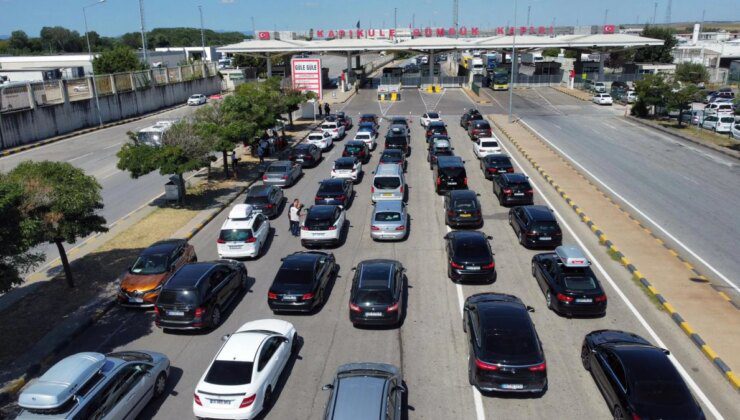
(302, 282)
(308, 155)
(494, 165)
(469, 115)
(400, 121)
(436, 127)
(470, 257)
(505, 352)
(377, 293)
(479, 128)
(462, 209)
(449, 174)
(398, 138)
(267, 199)
(358, 149)
(513, 189)
(535, 226)
(198, 293)
(336, 191)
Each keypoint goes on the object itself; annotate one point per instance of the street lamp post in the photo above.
(89, 51)
(513, 61)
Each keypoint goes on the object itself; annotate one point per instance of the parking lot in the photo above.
(430, 346)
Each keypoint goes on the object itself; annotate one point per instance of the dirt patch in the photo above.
(709, 136)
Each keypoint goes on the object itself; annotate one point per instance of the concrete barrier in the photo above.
(42, 122)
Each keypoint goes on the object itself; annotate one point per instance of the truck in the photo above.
(491, 60)
(528, 59)
(477, 66)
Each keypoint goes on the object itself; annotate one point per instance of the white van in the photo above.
(243, 234)
(388, 183)
(716, 108)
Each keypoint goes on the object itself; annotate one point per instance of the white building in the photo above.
(193, 53)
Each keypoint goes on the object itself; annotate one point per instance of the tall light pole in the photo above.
(254, 31)
(513, 61)
(202, 34)
(144, 47)
(395, 18)
(89, 51)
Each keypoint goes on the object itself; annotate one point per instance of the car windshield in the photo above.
(329, 126)
(579, 283)
(180, 297)
(466, 248)
(362, 136)
(663, 392)
(229, 373)
(331, 187)
(374, 285)
(353, 148)
(729, 120)
(294, 276)
(387, 182)
(545, 227)
(277, 169)
(433, 115)
(489, 144)
(316, 137)
(391, 155)
(150, 264)
(464, 204)
(235, 235)
(452, 171)
(387, 216)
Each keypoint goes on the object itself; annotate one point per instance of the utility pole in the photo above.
(143, 31)
(89, 51)
(413, 20)
(202, 34)
(254, 31)
(395, 18)
(456, 15)
(668, 12)
(529, 11)
(655, 11)
(513, 67)
(606, 16)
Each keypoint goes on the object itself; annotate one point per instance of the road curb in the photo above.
(567, 92)
(475, 98)
(624, 261)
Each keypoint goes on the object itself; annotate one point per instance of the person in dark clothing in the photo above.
(234, 163)
(321, 111)
(327, 109)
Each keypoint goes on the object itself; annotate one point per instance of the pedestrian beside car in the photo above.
(261, 151)
(294, 216)
(327, 109)
(321, 111)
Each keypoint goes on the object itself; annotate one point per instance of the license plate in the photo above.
(373, 314)
(512, 386)
(387, 195)
(135, 300)
(472, 267)
(290, 298)
(584, 300)
(318, 234)
(234, 246)
(299, 160)
(219, 402)
(545, 238)
(502, 171)
(175, 313)
(451, 183)
(518, 194)
(465, 215)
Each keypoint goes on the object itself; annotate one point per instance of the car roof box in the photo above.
(572, 256)
(241, 211)
(55, 387)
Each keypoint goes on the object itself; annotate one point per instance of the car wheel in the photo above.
(267, 400)
(294, 345)
(584, 358)
(533, 271)
(618, 413)
(471, 376)
(521, 239)
(160, 385)
(548, 299)
(215, 317)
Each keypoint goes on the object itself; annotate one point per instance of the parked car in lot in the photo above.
(143, 280)
(599, 87)
(265, 199)
(321, 139)
(469, 257)
(494, 165)
(197, 294)
(462, 209)
(719, 108)
(323, 225)
(347, 168)
(96, 386)
(302, 282)
(284, 173)
(535, 226)
(506, 354)
(602, 99)
(439, 148)
(428, 117)
(370, 118)
(637, 379)
(307, 155)
(513, 189)
(389, 221)
(437, 137)
(719, 124)
(485, 146)
(631, 97)
(436, 127)
(197, 99)
(398, 138)
(243, 234)
(368, 138)
(479, 128)
(389, 183)
(469, 115)
(377, 293)
(568, 283)
(449, 174)
(368, 127)
(366, 391)
(358, 149)
(335, 128)
(336, 191)
(240, 381)
(735, 131)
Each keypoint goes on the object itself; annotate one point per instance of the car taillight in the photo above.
(538, 368)
(307, 296)
(507, 191)
(530, 192)
(531, 233)
(332, 228)
(465, 181)
(455, 265)
(510, 170)
(304, 227)
(374, 228)
(600, 298)
(401, 190)
(271, 295)
(354, 308)
(269, 206)
(494, 170)
(264, 177)
(635, 416)
(308, 157)
(402, 227)
(439, 181)
(250, 240)
(220, 241)
(340, 197)
(485, 366)
(392, 308)
(362, 153)
(489, 266)
(246, 402)
(285, 176)
(563, 298)
(372, 189)
(156, 311)
(450, 212)
(199, 312)
(317, 198)
(196, 398)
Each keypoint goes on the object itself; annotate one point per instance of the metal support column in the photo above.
(431, 65)
(358, 64)
(601, 65)
(349, 71)
(269, 65)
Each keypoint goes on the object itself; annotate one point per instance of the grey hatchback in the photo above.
(282, 173)
(366, 391)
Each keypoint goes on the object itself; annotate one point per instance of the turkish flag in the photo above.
(263, 35)
(608, 29)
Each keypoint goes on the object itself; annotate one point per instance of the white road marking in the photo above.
(610, 126)
(79, 157)
(558, 127)
(480, 413)
(640, 212)
(627, 302)
(548, 102)
(112, 146)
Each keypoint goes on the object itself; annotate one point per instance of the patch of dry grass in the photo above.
(718, 139)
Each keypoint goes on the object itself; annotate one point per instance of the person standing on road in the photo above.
(294, 216)
(321, 111)
(327, 109)
(261, 151)
(234, 163)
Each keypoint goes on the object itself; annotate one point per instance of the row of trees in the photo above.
(670, 92)
(57, 39)
(216, 128)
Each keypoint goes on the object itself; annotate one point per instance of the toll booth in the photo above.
(389, 92)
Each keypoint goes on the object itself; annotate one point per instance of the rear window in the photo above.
(275, 169)
(387, 182)
(433, 115)
(727, 120)
(465, 204)
(579, 283)
(229, 373)
(453, 171)
(387, 216)
(183, 297)
(482, 125)
(471, 249)
(489, 144)
(660, 392)
(545, 227)
(343, 165)
(235, 235)
(329, 126)
(362, 136)
(294, 276)
(316, 137)
(256, 199)
(353, 148)
(331, 187)
(510, 343)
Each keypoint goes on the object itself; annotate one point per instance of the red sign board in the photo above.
(306, 75)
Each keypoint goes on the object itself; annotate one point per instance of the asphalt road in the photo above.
(688, 190)
(430, 346)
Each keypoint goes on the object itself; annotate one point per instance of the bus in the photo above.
(153, 135)
(499, 79)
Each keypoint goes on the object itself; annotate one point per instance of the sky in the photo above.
(115, 17)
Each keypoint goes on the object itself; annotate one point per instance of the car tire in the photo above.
(215, 318)
(471, 376)
(267, 399)
(521, 239)
(548, 299)
(160, 385)
(294, 345)
(618, 413)
(584, 358)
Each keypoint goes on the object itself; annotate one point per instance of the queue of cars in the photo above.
(505, 352)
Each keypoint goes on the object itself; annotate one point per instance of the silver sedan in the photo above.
(282, 173)
(389, 221)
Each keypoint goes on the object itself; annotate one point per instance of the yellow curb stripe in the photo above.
(672, 252)
(709, 352)
(652, 290)
(687, 328)
(668, 307)
(624, 261)
(725, 296)
(689, 266)
(637, 274)
(734, 380)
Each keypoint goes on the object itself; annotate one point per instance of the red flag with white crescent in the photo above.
(608, 29)
(263, 35)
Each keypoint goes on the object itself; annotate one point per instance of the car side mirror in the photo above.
(354, 268)
(447, 236)
(530, 309)
(225, 337)
(666, 352)
(477, 195)
(327, 387)
(400, 388)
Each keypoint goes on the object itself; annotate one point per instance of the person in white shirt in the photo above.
(294, 215)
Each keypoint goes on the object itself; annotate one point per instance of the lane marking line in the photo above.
(79, 157)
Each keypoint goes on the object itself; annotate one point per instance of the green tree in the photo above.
(59, 39)
(551, 52)
(18, 40)
(652, 90)
(680, 99)
(572, 54)
(61, 203)
(291, 100)
(691, 73)
(221, 129)
(131, 40)
(118, 60)
(659, 54)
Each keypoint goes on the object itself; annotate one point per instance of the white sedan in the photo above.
(321, 139)
(368, 138)
(240, 381)
(602, 99)
(485, 146)
(736, 131)
(197, 99)
(348, 168)
(428, 118)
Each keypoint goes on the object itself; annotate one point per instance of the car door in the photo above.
(267, 365)
(178, 258)
(399, 287)
(615, 379)
(219, 290)
(517, 220)
(134, 392)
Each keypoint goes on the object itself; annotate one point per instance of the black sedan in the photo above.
(308, 155)
(336, 191)
(265, 199)
(302, 281)
(462, 209)
(393, 156)
(469, 115)
(401, 121)
(637, 379)
(377, 295)
(494, 165)
(470, 257)
(436, 127)
(358, 149)
(505, 353)
(535, 226)
(513, 189)
(569, 284)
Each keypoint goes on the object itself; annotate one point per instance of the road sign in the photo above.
(307, 75)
